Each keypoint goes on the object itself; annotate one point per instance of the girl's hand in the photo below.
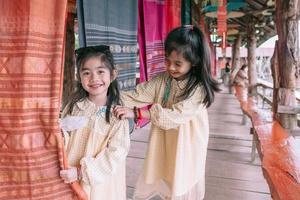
(69, 175)
(122, 112)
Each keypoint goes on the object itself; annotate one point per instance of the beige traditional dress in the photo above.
(100, 148)
(175, 163)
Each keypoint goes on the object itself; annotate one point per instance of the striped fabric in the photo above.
(31, 56)
(114, 23)
(156, 19)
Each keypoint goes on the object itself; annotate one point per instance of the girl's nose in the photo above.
(171, 67)
(94, 76)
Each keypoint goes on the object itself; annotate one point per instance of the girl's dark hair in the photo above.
(113, 94)
(189, 41)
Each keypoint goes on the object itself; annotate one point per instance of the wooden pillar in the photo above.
(69, 67)
(275, 75)
(235, 66)
(288, 58)
(252, 74)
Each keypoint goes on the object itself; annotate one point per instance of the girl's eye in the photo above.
(85, 73)
(100, 72)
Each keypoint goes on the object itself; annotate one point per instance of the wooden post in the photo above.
(275, 75)
(288, 57)
(252, 74)
(69, 67)
(235, 66)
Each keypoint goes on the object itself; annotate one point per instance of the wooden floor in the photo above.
(230, 174)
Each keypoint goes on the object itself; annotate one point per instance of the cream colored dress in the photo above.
(175, 162)
(100, 148)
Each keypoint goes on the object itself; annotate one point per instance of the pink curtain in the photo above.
(156, 19)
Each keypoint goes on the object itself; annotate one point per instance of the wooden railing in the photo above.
(262, 86)
(279, 152)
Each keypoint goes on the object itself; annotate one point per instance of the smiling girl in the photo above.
(174, 167)
(98, 150)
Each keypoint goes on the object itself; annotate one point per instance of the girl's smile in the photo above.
(95, 79)
(96, 85)
(177, 66)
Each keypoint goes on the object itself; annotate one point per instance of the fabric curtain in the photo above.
(31, 59)
(156, 19)
(113, 23)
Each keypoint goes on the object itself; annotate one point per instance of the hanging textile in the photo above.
(156, 19)
(31, 58)
(113, 23)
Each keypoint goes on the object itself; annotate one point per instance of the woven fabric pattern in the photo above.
(113, 23)
(156, 19)
(31, 57)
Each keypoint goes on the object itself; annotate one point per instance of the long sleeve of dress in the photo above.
(180, 113)
(143, 95)
(95, 170)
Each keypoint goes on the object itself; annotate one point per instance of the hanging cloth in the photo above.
(113, 23)
(156, 19)
(31, 60)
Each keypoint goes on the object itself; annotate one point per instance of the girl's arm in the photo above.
(180, 113)
(168, 118)
(95, 170)
(144, 94)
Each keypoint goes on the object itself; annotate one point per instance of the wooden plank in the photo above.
(238, 185)
(233, 170)
(138, 149)
(133, 170)
(219, 193)
(230, 145)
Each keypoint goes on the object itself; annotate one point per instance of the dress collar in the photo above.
(181, 84)
(86, 104)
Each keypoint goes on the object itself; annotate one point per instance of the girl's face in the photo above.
(177, 66)
(95, 78)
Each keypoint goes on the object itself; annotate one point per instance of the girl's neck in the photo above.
(186, 76)
(98, 100)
